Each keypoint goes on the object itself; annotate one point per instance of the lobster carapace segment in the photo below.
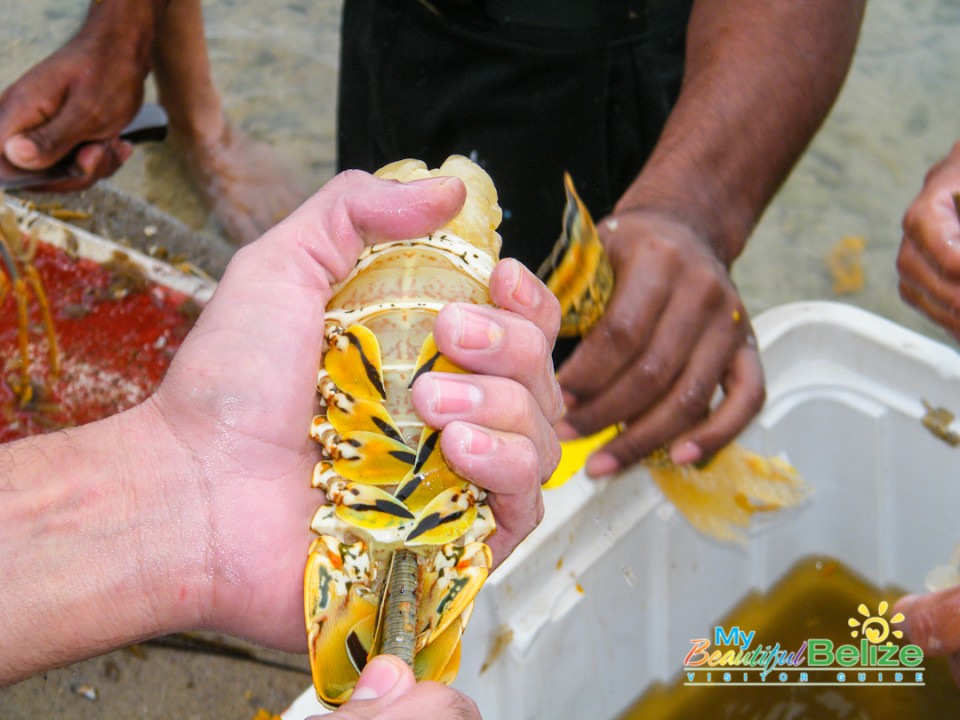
(392, 501)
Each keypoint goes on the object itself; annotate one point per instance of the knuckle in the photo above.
(903, 262)
(540, 350)
(521, 403)
(950, 264)
(694, 400)
(538, 512)
(911, 218)
(555, 412)
(652, 371)
(628, 449)
(552, 460)
(619, 329)
(42, 139)
(551, 311)
(755, 396)
(528, 463)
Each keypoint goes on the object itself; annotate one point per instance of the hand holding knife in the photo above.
(150, 124)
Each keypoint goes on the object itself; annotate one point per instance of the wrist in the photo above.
(715, 221)
(92, 530)
(171, 551)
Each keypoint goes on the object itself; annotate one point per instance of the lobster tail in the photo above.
(399, 557)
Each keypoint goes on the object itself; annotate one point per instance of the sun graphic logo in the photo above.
(876, 628)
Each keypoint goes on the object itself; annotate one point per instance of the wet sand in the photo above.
(276, 64)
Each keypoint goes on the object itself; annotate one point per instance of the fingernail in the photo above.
(20, 150)
(524, 290)
(478, 442)
(448, 396)
(441, 181)
(377, 679)
(477, 331)
(688, 452)
(601, 464)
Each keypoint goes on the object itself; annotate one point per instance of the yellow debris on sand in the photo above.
(845, 263)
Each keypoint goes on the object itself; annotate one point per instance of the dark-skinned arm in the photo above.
(760, 78)
(85, 92)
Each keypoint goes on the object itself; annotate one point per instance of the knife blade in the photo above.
(149, 124)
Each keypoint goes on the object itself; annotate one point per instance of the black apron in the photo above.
(526, 88)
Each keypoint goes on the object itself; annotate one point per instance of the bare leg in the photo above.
(240, 179)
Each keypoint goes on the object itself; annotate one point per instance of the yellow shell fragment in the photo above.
(721, 498)
(845, 263)
(574, 454)
(370, 508)
(354, 414)
(429, 476)
(334, 604)
(578, 271)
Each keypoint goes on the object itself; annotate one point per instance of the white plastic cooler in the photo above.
(605, 596)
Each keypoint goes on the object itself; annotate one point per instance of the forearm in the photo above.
(760, 78)
(127, 27)
(88, 527)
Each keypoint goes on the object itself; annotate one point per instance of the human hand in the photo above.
(674, 330)
(84, 93)
(932, 621)
(929, 257)
(498, 423)
(239, 397)
(387, 690)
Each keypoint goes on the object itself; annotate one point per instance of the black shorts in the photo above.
(525, 97)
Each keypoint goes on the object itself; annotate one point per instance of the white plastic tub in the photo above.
(99, 249)
(604, 597)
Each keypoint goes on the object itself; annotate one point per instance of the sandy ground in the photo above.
(275, 63)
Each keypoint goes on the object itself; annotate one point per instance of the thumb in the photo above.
(43, 145)
(382, 682)
(932, 621)
(356, 209)
(46, 140)
(392, 210)
(384, 675)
